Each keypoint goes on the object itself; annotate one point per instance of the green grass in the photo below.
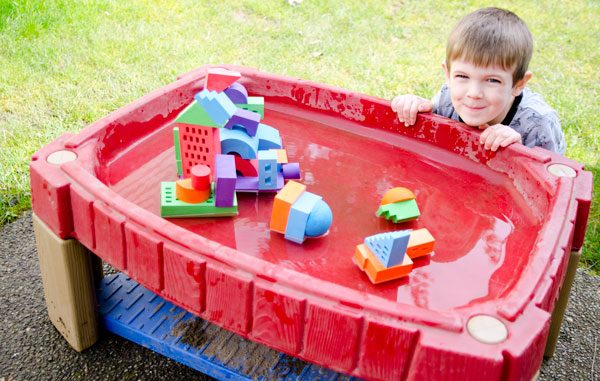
(64, 64)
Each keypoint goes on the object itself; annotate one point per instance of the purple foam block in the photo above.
(246, 119)
(291, 171)
(250, 184)
(237, 93)
(225, 178)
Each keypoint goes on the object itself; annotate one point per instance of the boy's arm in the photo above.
(545, 132)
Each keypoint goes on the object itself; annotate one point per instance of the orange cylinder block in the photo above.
(184, 191)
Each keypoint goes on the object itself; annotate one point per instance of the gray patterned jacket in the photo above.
(537, 122)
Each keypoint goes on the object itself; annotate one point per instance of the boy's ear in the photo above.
(520, 85)
(446, 73)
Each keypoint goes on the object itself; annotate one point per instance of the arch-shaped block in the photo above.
(244, 119)
(247, 168)
(268, 137)
(238, 142)
(237, 93)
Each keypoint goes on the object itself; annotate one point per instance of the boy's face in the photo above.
(481, 95)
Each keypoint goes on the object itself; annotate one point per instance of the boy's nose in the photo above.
(474, 91)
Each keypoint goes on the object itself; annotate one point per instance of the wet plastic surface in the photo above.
(503, 225)
(352, 173)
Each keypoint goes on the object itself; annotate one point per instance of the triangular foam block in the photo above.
(218, 79)
(390, 247)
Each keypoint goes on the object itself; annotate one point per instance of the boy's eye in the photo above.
(494, 80)
(461, 76)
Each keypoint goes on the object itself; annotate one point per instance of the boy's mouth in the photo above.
(475, 108)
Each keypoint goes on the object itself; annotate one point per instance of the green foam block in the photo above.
(255, 104)
(171, 207)
(399, 211)
(177, 151)
(196, 115)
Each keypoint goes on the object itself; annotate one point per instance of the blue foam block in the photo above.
(217, 105)
(135, 313)
(268, 137)
(319, 220)
(298, 217)
(238, 142)
(390, 247)
(267, 169)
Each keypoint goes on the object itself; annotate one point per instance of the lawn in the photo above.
(64, 64)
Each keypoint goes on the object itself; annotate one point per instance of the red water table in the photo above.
(479, 307)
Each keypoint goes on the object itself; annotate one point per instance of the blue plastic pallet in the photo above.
(135, 313)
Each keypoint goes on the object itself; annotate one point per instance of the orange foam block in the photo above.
(281, 156)
(420, 243)
(184, 191)
(396, 195)
(376, 271)
(283, 203)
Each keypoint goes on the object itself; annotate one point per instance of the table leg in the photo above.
(68, 273)
(561, 304)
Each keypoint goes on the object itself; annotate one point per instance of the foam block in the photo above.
(281, 157)
(268, 137)
(184, 191)
(217, 105)
(250, 184)
(421, 243)
(390, 247)
(200, 175)
(248, 168)
(291, 171)
(195, 114)
(319, 220)
(377, 273)
(298, 217)
(199, 145)
(170, 206)
(237, 93)
(396, 195)
(243, 119)
(399, 211)
(177, 147)
(254, 104)
(267, 170)
(238, 142)
(225, 178)
(283, 203)
(218, 79)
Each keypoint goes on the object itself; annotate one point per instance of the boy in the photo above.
(487, 56)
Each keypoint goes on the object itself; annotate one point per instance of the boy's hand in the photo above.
(497, 136)
(407, 106)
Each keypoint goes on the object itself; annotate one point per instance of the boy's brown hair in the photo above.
(489, 37)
